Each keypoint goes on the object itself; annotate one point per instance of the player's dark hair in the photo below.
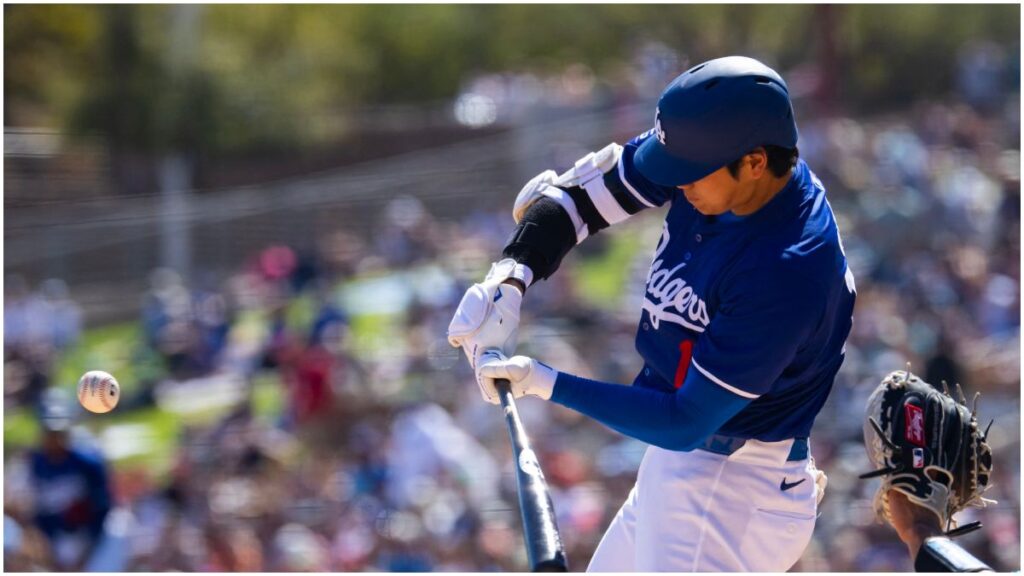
(780, 160)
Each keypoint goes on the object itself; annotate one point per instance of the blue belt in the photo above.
(726, 445)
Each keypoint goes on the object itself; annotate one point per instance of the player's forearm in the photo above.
(543, 237)
(517, 283)
(673, 421)
(913, 524)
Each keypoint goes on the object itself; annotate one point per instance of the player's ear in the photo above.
(757, 159)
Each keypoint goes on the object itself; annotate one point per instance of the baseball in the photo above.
(98, 391)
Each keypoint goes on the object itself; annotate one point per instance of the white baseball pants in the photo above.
(704, 512)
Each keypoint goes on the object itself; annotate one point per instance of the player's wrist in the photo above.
(517, 284)
(522, 274)
(915, 535)
(913, 523)
(509, 269)
(542, 379)
(566, 387)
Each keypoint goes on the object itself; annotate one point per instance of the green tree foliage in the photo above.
(47, 61)
(274, 76)
(896, 53)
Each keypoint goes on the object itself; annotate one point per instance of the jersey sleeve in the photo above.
(95, 472)
(678, 420)
(649, 194)
(763, 320)
(604, 188)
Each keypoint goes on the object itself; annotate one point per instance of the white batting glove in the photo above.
(488, 315)
(531, 192)
(526, 376)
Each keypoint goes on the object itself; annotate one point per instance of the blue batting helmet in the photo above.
(55, 414)
(713, 114)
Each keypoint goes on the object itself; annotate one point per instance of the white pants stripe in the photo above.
(704, 512)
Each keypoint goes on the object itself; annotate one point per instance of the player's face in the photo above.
(55, 443)
(721, 192)
(714, 194)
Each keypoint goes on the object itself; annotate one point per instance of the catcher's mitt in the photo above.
(926, 445)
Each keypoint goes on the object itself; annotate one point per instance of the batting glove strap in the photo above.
(523, 273)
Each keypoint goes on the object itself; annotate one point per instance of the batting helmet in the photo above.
(713, 114)
(55, 416)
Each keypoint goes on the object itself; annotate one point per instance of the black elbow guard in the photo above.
(543, 237)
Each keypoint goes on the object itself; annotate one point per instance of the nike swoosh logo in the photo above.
(785, 486)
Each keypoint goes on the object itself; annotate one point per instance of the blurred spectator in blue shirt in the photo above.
(72, 493)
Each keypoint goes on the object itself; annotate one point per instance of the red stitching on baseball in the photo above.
(103, 397)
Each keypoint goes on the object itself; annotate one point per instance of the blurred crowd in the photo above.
(38, 325)
(382, 457)
(929, 208)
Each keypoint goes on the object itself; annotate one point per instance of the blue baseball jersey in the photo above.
(760, 305)
(72, 494)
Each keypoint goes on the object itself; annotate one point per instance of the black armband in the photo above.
(588, 211)
(628, 202)
(543, 237)
(940, 554)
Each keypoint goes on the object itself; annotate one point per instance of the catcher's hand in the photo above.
(927, 446)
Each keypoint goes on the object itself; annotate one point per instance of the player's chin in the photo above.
(706, 209)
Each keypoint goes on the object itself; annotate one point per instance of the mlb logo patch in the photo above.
(918, 457)
(914, 424)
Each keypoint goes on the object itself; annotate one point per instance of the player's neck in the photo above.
(762, 193)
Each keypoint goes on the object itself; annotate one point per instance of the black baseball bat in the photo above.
(543, 543)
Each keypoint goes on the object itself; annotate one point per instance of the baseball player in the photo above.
(747, 307)
(71, 493)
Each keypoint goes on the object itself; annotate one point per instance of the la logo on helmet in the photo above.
(658, 132)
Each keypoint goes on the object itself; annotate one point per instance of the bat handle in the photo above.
(504, 388)
(540, 531)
